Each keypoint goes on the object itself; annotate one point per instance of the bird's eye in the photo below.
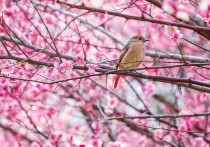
(139, 38)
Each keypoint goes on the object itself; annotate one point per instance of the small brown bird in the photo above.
(131, 56)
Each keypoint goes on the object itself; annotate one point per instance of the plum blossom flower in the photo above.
(97, 126)
(112, 102)
(15, 85)
(95, 141)
(204, 8)
(80, 58)
(185, 2)
(170, 29)
(88, 106)
(64, 67)
(51, 111)
(99, 56)
(148, 89)
(49, 20)
(77, 50)
(33, 37)
(159, 16)
(55, 137)
(176, 37)
(35, 144)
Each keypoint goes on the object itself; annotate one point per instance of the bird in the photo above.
(131, 56)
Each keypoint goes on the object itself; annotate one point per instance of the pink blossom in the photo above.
(80, 101)
(183, 126)
(202, 97)
(97, 126)
(123, 137)
(95, 142)
(49, 20)
(50, 70)
(55, 137)
(80, 58)
(199, 142)
(148, 89)
(185, 2)
(86, 47)
(196, 123)
(64, 66)
(176, 37)
(51, 111)
(88, 106)
(204, 8)
(33, 37)
(159, 16)
(112, 102)
(12, 82)
(159, 133)
(73, 90)
(144, 7)
(108, 111)
(77, 50)
(12, 107)
(35, 144)
(170, 29)
(99, 56)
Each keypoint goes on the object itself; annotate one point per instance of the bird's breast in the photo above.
(133, 56)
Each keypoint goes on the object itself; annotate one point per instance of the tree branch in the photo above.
(161, 116)
(128, 17)
(148, 53)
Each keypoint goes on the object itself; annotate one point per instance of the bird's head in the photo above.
(139, 38)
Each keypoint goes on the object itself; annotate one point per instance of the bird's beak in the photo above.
(146, 40)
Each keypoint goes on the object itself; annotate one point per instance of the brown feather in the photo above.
(124, 50)
(116, 82)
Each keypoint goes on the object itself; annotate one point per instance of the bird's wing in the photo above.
(124, 51)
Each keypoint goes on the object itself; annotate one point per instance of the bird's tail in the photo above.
(116, 81)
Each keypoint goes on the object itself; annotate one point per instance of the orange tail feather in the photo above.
(116, 81)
